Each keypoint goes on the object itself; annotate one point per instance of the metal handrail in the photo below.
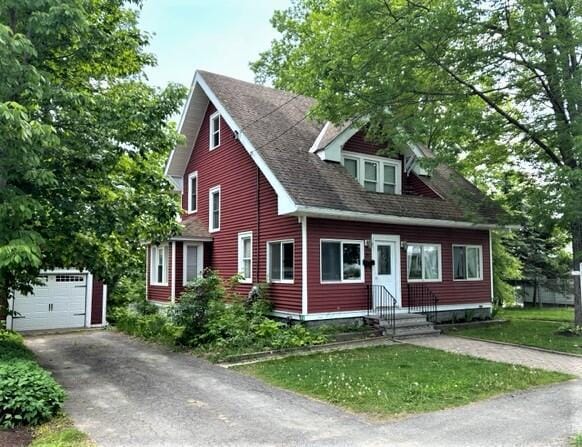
(422, 300)
(383, 304)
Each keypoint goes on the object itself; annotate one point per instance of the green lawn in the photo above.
(60, 432)
(565, 314)
(541, 334)
(396, 380)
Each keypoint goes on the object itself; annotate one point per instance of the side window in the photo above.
(214, 136)
(193, 192)
(214, 209)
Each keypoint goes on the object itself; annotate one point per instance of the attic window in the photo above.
(214, 130)
(375, 174)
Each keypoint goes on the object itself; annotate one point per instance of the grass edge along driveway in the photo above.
(389, 381)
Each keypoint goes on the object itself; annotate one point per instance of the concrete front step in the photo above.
(405, 323)
(416, 333)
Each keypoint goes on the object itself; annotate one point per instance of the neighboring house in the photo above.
(314, 211)
(65, 299)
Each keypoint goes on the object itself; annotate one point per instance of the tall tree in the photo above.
(82, 140)
(497, 81)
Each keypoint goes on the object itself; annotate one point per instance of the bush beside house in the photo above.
(215, 321)
(28, 394)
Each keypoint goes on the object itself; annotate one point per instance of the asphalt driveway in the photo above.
(124, 392)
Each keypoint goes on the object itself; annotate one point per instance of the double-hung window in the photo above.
(214, 209)
(375, 174)
(193, 192)
(467, 262)
(424, 262)
(280, 259)
(192, 262)
(245, 254)
(341, 261)
(159, 265)
(214, 136)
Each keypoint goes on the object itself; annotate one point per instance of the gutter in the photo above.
(328, 213)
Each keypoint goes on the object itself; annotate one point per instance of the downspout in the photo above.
(256, 272)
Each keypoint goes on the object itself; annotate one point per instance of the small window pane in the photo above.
(330, 261)
(459, 263)
(191, 263)
(473, 261)
(430, 261)
(288, 261)
(216, 210)
(384, 260)
(246, 247)
(352, 264)
(389, 174)
(370, 171)
(351, 166)
(193, 192)
(414, 255)
(275, 261)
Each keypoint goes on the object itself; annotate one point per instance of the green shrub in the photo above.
(570, 330)
(129, 289)
(157, 327)
(28, 394)
(193, 309)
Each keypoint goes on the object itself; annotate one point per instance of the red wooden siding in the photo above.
(97, 302)
(346, 297)
(245, 194)
(415, 186)
(359, 144)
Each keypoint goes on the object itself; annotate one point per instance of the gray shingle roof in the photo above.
(279, 126)
(193, 228)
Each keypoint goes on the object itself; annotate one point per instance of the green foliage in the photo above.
(28, 394)
(211, 318)
(569, 329)
(130, 288)
(60, 432)
(506, 267)
(151, 326)
(83, 141)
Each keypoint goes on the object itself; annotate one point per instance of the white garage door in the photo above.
(59, 303)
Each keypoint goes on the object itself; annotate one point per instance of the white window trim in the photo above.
(211, 191)
(200, 260)
(440, 262)
(213, 131)
(480, 248)
(154, 270)
(192, 207)
(241, 237)
(381, 161)
(342, 280)
(280, 281)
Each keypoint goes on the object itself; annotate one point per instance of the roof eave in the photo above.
(328, 213)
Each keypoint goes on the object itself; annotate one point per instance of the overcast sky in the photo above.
(221, 36)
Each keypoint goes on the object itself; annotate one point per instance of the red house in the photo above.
(336, 229)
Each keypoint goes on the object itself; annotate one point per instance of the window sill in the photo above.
(356, 281)
(412, 281)
(159, 284)
(282, 281)
(210, 148)
(216, 230)
(468, 280)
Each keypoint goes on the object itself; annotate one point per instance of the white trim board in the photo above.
(364, 313)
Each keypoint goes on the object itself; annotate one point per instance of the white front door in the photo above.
(386, 268)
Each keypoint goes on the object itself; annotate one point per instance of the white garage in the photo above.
(66, 299)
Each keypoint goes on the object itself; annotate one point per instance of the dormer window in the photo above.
(214, 130)
(375, 174)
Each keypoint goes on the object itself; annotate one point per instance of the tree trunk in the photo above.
(576, 231)
(4, 296)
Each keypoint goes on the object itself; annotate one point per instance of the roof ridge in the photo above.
(254, 84)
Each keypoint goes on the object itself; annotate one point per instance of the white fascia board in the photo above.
(181, 122)
(327, 213)
(317, 141)
(333, 151)
(285, 204)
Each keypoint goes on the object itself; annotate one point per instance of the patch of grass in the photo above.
(396, 380)
(60, 432)
(565, 314)
(576, 440)
(541, 334)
